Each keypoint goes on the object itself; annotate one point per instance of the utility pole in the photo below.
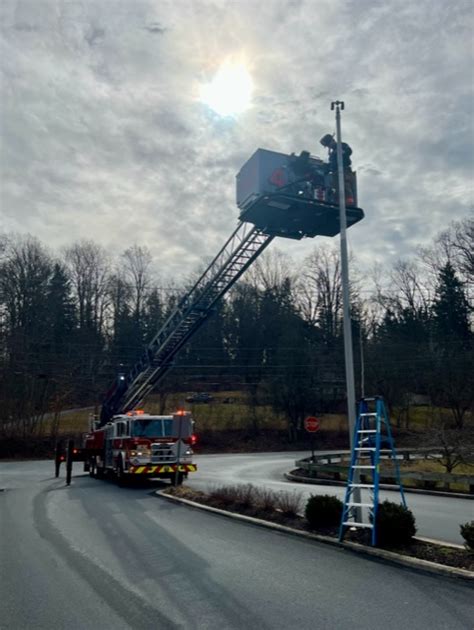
(362, 363)
(348, 351)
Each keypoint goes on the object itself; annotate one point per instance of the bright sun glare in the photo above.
(230, 91)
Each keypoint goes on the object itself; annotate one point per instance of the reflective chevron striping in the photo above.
(138, 470)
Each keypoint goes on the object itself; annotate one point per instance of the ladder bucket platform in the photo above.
(296, 217)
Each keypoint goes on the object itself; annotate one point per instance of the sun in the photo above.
(230, 91)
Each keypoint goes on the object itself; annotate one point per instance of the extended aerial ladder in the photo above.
(243, 247)
(274, 201)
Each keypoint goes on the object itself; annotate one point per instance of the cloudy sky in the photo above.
(105, 134)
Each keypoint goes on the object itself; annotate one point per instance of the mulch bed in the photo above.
(449, 556)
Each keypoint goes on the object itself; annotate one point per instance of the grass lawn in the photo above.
(430, 465)
(214, 416)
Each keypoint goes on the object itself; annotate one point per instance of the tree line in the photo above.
(71, 320)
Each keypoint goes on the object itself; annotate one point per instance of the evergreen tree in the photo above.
(154, 315)
(450, 378)
(450, 309)
(61, 312)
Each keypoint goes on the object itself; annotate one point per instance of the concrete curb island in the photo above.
(381, 554)
(383, 486)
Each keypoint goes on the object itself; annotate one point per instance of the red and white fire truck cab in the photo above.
(138, 444)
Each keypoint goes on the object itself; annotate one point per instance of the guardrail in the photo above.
(335, 466)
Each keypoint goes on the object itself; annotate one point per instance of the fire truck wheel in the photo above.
(180, 479)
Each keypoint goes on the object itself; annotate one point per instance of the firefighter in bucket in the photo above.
(330, 143)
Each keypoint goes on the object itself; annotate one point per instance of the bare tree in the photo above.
(25, 272)
(3, 245)
(270, 271)
(120, 297)
(137, 261)
(455, 246)
(320, 291)
(457, 446)
(463, 246)
(89, 268)
(408, 289)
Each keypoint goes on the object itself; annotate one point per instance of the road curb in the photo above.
(382, 486)
(381, 554)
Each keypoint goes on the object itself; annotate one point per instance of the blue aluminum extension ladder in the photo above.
(369, 439)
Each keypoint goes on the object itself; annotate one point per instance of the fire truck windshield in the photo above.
(162, 427)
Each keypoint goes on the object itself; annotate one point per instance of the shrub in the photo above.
(242, 496)
(245, 495)
(323, 511)
(289, 503)
(225, 495)
(395, 524)
(266, 499)
(467, 532)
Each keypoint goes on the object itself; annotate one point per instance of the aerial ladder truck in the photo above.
(278, 195)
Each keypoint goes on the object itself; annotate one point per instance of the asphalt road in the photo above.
(437, 518)
(93, 555)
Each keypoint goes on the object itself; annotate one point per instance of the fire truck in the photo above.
(135, 445)
(138, 444)
(278, 195)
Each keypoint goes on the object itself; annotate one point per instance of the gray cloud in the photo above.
(155, 28)
(103, 136)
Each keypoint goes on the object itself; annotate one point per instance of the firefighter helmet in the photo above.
(327, 140)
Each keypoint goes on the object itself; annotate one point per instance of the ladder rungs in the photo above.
(368, 467)
(367, 415)
(366, 448)
(361, 505)
(367, 431)
(361, 485)
(350, 524)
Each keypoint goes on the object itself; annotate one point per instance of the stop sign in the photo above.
(311, 424)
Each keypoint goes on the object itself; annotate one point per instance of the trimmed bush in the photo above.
(323, 511)
(467, 532)
(395, 525)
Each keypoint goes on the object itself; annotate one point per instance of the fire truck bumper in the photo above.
(163, 469)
